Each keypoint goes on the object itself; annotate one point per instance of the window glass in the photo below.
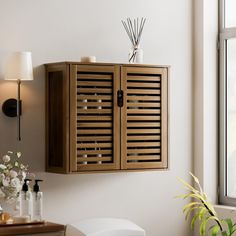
(230, 15)
(231, 116)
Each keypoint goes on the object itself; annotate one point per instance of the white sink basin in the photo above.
(104, 227)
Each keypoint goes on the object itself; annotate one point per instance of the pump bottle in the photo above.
(26, 200)
(37, 201)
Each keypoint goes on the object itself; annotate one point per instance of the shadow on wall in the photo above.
(33, 121)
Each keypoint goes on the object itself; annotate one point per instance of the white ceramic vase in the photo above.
(136, 55)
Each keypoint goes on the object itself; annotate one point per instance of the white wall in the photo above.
(58, 30)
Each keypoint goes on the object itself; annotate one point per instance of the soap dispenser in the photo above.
(26, 200)
(37, 201)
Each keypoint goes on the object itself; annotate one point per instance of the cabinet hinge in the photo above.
(120, 100)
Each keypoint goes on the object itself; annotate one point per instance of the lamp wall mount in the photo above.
(9, 107)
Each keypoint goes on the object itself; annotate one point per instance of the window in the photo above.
(227, 113)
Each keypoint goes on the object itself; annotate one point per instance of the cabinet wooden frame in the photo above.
(139, 128)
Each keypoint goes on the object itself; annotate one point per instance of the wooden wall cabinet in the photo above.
(106, 117)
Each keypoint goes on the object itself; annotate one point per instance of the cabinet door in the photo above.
(94, 118)
(144, 118)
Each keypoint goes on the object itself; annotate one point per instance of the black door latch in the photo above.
(120, 99)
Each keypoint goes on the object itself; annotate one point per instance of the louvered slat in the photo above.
(143, 91)
(94, 104)
(95, 125)
(93, 118)
(94, 159)
(144, 144)
(142, 104)
(144, 158)
(143, 98)
(143, 111)
(93, 97)
(94, 90)
(141, 84)
(94, 145)
(143, 124)
(94, 111)
(94, 138)
(143, 138)
(148, 78)
(96, 76)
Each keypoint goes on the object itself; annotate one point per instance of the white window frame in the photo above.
(224, 35)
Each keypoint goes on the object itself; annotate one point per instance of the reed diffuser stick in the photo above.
(134, 30)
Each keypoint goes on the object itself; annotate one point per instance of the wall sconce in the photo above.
(19, 68)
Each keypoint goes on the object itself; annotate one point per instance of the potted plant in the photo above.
(200, 208)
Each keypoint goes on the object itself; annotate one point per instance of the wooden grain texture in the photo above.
(149, 78)
(145, 97)
(124, 119)
(44, 228)
(164, 119)
(144, 138)
(73, 118)
(94, 159)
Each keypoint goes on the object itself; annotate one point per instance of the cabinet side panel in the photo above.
(56, 137)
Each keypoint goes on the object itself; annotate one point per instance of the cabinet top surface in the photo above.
(47, 227)
(105, 64)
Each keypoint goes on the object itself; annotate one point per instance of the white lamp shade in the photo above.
(19, 67)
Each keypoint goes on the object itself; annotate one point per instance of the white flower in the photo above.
(18, 154)
(3, 167)
(6, 158)
(13, 174)
(5, 182)
(22, 166)
(15, 183)
(23, 175)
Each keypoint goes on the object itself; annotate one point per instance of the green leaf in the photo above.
(230, 225)
(202, 213)
(196, 196)
(215, 230)
(193, 221)
(203, 227)
(190, 205)
(189, 210)
(233, 232)
(196, 180)
(188, 186)
(224, 233)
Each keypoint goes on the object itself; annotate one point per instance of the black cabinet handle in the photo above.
(120, 99)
